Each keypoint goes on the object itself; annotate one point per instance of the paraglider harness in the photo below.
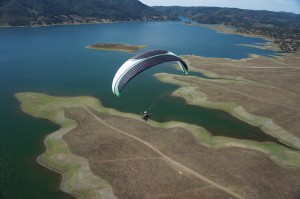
(146, 115)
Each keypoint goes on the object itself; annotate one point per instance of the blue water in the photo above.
(54, 60)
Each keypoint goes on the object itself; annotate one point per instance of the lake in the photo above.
(54, 60)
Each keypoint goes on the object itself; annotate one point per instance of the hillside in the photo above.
(283, 27)
(47, 12)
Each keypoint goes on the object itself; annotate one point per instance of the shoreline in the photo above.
(268, 45)
(56, 171)
(77, 24)
(60, 24)
(58, 158)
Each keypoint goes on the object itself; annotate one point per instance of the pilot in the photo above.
(146, 115)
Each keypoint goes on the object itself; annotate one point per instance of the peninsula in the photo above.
(115, 47)
(104, 153)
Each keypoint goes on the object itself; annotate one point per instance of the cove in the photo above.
(167, 108)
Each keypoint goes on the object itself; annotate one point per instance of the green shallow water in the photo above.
(54, 60)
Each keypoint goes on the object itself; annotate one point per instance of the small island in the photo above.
(116, 47)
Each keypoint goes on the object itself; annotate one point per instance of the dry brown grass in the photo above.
(136, 171)
(274, 93)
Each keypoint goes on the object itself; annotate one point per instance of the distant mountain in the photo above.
(46, 12)
(233, 16)
(284, 27)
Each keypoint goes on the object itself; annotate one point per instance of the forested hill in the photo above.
(282, 26)
(47, 12)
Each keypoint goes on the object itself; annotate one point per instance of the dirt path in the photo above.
(178, 166)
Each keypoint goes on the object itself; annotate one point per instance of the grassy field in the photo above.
(102, 156)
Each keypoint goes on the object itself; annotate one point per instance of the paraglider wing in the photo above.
(140, 63)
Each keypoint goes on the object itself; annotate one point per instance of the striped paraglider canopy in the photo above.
(140, 63)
